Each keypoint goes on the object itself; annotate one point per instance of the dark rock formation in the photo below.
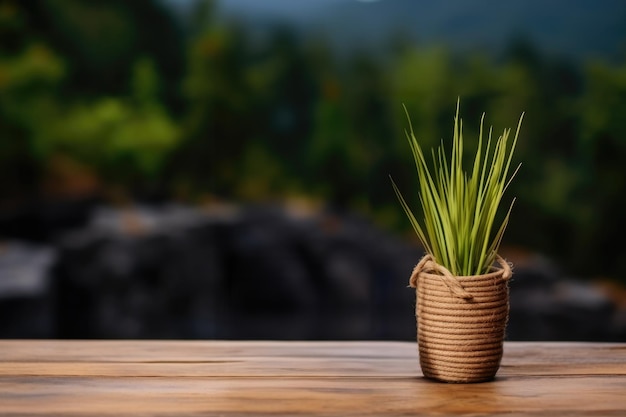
(175, 272)
(260, 272)
(545, 305)
(26, 300)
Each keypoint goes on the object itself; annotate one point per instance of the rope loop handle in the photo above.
(427, 264)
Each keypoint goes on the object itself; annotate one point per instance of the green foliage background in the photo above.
(122, 92)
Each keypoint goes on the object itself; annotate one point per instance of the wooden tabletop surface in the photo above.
(182, 378)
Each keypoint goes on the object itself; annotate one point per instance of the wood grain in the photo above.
(181, 378)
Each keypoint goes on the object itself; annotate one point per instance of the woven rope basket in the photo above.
(461, 321)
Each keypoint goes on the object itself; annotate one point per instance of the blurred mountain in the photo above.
(568, 28)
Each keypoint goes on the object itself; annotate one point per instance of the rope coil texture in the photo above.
(461, 321)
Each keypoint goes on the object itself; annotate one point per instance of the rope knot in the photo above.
(428, 265)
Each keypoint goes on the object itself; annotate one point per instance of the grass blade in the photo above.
(460, 208)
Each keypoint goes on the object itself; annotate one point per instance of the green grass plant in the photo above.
(460, 207)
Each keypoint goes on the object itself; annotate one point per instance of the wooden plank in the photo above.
(85, 378)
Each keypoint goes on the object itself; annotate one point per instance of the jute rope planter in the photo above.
(461, 321)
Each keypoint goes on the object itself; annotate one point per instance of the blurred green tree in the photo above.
(30, 73)
(131, 95)
(101, 40)
(601, 145)
(124, 140)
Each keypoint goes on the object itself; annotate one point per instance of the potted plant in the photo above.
(462, 296)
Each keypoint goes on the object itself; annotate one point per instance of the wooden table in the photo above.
(181, 378)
